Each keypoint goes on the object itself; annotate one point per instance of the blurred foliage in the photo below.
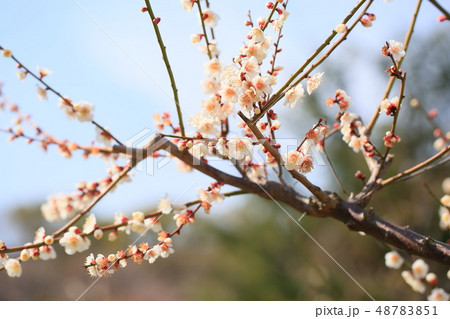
(256, 251)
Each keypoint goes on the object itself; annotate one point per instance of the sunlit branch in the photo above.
(419, 168)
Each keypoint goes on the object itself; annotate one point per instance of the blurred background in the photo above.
(247, 248)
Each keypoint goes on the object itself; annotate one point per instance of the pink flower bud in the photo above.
(441, 18)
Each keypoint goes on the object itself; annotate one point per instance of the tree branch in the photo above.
(168, 67)
(350, 213)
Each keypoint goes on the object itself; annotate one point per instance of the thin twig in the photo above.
(391, 81)
(96, 200)
(270, 16)
(205, 34)
(439, 7)
(394, 124)
(418, 168)
(315, 190)
(67, 101)
(168, 67)
(336, 177)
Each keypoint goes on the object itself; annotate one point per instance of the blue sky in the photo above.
(88, 65)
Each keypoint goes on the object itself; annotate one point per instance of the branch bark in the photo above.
(350, 213)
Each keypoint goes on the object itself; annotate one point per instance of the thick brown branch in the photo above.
(350, 213)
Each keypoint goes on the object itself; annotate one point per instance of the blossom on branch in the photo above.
(73, 242)
(294, 95)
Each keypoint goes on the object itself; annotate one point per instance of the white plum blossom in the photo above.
(212, 67)
(313, 82)
(90, 224)
(58, 206)
(256, 34)
(210, 17)
(222, 146)
(293, 160)
(83, 111)
(204, 125)
(420, 268)
(196, 38)
(414, 283)
(47, 252)
(444, 221)
(278, 23)
(13, 267)
(446, 185)
(445, 200)
(438, 294)
(294, 95)
(152, 254)
(164, 205)
(187, 4)
(393, 260)
(166, 248)
(389, 106)
(73, 242)
(137, 223)
(340, 28)
(43, 71)
(396, 49)
(238, 147)
(98, 233)
(42, 93)
(120, 218)
(213, 195)
(250, 66)
(103, 136)
(153, 224)
(199, 150)
(65, 105)
(21, 75)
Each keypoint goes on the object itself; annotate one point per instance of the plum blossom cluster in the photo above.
(277, 24)
(138, 223)
(301, 159)
(235, 147)
(41, 248)
(418, 276)
(298, 160)
(390, 139)
(444, 209)
(63, 206)
(81, 111)
(11, 265)
(352, 128)
(44, 139)
(73, 242)
(389, 107)
(353, 133)
(105, 266)
(341, 99)
(210, 195)
(163, 120)
(393, 49)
